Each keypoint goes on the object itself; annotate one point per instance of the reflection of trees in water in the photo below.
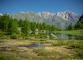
(80, 37)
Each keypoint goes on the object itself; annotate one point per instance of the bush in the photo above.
(79, 46)
(14, 36)
(4, 37)
(78, 53)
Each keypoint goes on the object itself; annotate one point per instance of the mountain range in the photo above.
(60, 19)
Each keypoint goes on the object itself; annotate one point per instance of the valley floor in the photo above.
(49, 49)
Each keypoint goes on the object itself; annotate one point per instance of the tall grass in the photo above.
(8, 56)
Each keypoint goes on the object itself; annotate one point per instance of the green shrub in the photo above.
(79, 46)
(4, 37)
(78, 53)
(43, 52)
(14, 36)
(42, 40)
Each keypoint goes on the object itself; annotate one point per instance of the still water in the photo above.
(68, 37)
(35, 45)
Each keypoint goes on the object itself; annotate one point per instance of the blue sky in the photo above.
(53, 6)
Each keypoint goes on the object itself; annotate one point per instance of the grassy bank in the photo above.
(73, 32)
(50, 50)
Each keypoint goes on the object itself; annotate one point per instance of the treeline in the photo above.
(11, 25)
(8, 24)
(78, 25)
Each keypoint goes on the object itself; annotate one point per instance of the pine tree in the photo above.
(4, 21)
(25, 27)
(53, 28)
(20, 22)
(79, 24)
(70, 27)
(44, 26)
(13, 26)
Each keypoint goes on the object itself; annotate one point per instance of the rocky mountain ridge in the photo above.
(60, 19)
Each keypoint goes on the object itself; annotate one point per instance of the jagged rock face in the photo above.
(67, 15)
(60, 19)
(45, 15)
(63, 15)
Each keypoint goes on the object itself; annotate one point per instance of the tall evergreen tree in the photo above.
(25, 27)
(79, 24)
(70, 27)
(44, 26)
(4, 21)
(53, 28)
(13, 26)
(81, 18)
(20, 22)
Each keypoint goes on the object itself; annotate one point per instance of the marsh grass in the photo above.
(14, 48)
(44, 52)
(8, 56)
(75, 44)
(61, 43)
(78, 53)
(73, 32)
(50, 50)
(77, 47)
(58, 43)
(50, 55)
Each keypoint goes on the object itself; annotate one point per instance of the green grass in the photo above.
(72, 32)
(14, 48)
(8, 56)
(46, 54)
(78, 53)
(76, 45)
(50, 50)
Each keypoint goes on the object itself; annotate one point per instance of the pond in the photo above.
(35, 45)
(68, 36)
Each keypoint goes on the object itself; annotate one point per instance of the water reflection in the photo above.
(35, 45)
(67, 36)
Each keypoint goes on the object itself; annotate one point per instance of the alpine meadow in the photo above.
(41, 30)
